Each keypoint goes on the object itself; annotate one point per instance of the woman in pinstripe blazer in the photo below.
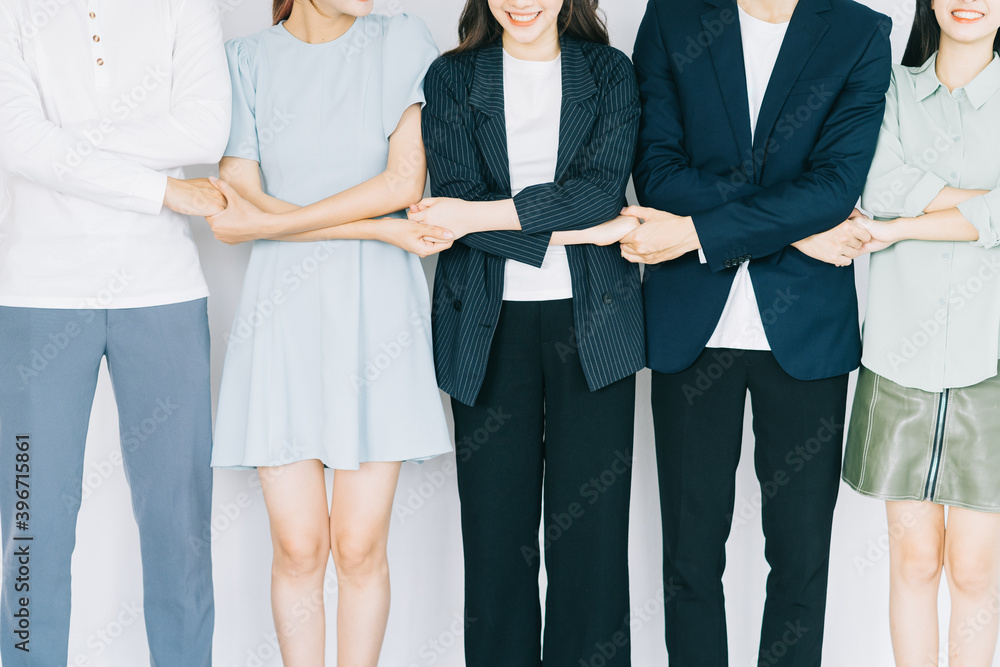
(530, 131)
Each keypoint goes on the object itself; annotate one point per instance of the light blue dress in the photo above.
(329, 356)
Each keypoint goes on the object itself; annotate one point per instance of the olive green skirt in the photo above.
(909, 444)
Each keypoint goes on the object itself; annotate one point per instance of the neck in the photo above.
(772, 11)
(958, 63)
(544, 48)
(309, 25)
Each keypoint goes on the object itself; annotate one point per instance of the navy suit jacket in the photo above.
(464, 129)
(750, 200)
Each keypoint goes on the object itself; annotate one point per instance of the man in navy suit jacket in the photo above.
(758, 128)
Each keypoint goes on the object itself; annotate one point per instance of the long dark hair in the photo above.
(925, 37)
(477, 26)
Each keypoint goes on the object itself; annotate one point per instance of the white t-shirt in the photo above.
(533, 104)
(740, 326)
(96, 110)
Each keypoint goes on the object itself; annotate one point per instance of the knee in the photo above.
(970, 574)
(918, 564)
(301, 555)
(359, 555)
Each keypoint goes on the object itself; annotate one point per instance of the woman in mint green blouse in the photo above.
(925, 428)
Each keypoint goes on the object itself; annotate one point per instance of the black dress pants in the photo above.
(537, 435)
(798, 429)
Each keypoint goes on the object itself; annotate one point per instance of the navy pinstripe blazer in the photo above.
(464, 128)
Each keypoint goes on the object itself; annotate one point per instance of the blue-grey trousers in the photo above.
(158, 358)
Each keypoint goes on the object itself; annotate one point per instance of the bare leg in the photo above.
(359, 524)
(972, 562)
(916, 556)
(295, 495)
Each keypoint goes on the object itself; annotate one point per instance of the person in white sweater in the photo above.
(101, 103)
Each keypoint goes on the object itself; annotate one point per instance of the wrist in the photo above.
(272, 225)
(694, 243)
(376, 230)
(168, 194)
(900, 228)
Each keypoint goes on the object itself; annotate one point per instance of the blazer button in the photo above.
(457, 304)
(607, 298)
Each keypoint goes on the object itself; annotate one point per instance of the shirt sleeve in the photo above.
(456, 168)
(408, 51)
(984, 213)
(36, 149)
(243, 140)
(896, 188)
(196, 127)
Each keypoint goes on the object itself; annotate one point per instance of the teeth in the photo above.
(524, 18)
(967, 15)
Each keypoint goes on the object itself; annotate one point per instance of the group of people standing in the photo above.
(751, 128)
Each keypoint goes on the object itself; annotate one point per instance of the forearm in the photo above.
(493, 216)
(950, 197)
(376, 197)
(575, 237)
(364, 230)
(946, 225)
(269, 204)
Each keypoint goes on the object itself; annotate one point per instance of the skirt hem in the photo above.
(938, 501)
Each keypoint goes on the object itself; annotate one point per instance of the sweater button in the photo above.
(607, 298)
(457, 304)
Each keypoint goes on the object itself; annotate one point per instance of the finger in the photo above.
(640, 212)
(426, 202)
(861, 231)
(432, 231)
(227, 190)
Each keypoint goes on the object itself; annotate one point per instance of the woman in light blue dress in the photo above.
(329, 360)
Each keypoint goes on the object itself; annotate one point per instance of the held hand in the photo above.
(414, 237)
(612, 231)
(882, 235)
(661, 237)
(839, 246)
(193, 197)
(240, 222)
(451, 214)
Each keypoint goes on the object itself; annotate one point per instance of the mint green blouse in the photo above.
(933, 317)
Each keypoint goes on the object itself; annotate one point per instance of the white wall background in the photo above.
(425, 627)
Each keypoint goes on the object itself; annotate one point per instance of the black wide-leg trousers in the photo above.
(539, 448)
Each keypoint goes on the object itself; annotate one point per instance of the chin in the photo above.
(355, 7)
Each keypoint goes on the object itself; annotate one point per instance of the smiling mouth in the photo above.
(523, 19)
(967, 15)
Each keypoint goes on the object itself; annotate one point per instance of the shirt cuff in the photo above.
(977, 211)
(150, 189)
(701, 256)
(922, 194)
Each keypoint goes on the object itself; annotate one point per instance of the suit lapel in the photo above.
(486, 96)
(804, 33)
(579, 104)
(727, 58)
